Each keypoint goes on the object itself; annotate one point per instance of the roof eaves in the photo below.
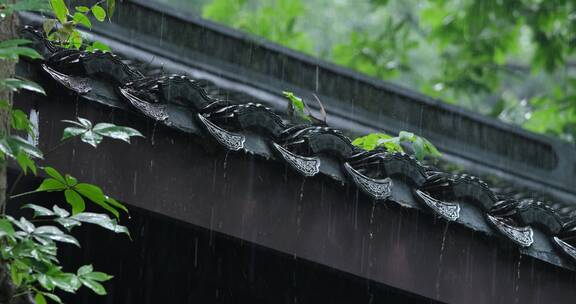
(542, 230)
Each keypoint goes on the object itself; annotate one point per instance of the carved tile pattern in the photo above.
(523, 236)
(231, 141)
(379, 189)
(308, 166)
(449, 211)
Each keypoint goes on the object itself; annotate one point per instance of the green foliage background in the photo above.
(511, 59)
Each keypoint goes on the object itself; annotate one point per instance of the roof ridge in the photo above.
(182, 103)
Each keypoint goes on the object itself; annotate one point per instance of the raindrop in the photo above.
(134, 182)
(302, 189)
(371, 233)
(225, 162)
(440, 260)
(153, 133)
(517, 284)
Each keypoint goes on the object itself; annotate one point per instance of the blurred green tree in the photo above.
(512, 59)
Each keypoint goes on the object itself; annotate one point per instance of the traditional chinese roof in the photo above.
(237, 122)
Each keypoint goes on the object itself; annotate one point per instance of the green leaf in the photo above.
(419, 149)
(60, 10)
(39, 210)
(66, 281)
(82, 19)
(101, 220)
(75, 39)
(116, 203)
(17, 275)
(40, 299)
(60, 212)
(26, 163)
(296, 101)
(45, 281)
(50, 185)
(84, 270)
(98, 12)
(54, 174)
(431, 149)
(91, 138)
(15, 84)
(55, 234)
(79, 123)
(13, 144)
(110, 7)
(95, 286)
(13, 53)
(53, 297)
(297, 104)
(14, 42)
(71, 132)
(71, 181)
(85, 122)
(116, 132)
(95, 135)
(98, 276)
(82, 9)
(75, 200)
(19, 144)
(23, 224)
(48, 25)
(97, 45)
(68, 223)
(6, 228)
(371, 141)
(19, 121)
(5, 148)
(95, 194)
(406, 136)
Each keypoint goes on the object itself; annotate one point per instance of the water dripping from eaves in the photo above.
(517, 281)
(371, 228)
(302, 189)
(225, 164)
(211, 238)
(442, 246)
(299, 207)
(214, 167)
(355, 211)
(152, 137)
(134, 182)
(399, 228)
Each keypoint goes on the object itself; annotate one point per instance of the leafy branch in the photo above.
(29, 247)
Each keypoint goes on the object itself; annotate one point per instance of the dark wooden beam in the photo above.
(318, 220)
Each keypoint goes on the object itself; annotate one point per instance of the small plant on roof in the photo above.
(298, 109)
(422, 147)
(63, 29)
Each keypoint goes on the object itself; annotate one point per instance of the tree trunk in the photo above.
(8, 30)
